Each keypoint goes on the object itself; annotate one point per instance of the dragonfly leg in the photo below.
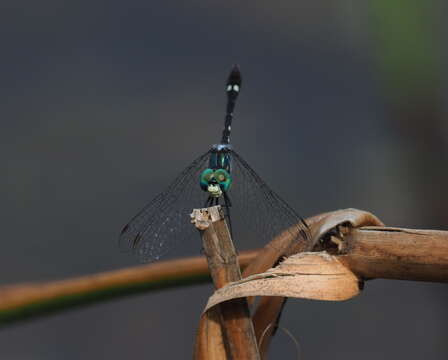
(228, 204)
(227, 200)
(207, 202)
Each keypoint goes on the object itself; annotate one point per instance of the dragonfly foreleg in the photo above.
(228, 204)
(227, 200)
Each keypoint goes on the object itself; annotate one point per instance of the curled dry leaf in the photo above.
(316, 276)
(269, 308)
(286, 245)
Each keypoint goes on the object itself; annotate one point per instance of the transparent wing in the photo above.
(165, 220)
(257, 212)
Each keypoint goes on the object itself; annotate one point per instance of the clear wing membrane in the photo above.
(257, 211)
(165, 221)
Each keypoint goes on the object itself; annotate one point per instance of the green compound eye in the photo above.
(224, 179)
(205, 178)
(221, 177)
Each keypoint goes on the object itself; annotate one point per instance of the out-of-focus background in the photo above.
(103, 103)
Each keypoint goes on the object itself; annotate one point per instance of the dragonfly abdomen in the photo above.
(233, 87)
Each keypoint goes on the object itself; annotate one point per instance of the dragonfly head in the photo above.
(214, 190)
(215, 181)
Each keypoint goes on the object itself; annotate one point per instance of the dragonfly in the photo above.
(220, 176)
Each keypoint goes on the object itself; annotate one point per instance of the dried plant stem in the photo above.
(395, 253)
(237, 327)
(29, 300)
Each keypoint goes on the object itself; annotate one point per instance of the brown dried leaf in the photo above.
(285, 244)
(269, 308)
(316, 276)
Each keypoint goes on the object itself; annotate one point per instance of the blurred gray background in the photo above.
(103, 103)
